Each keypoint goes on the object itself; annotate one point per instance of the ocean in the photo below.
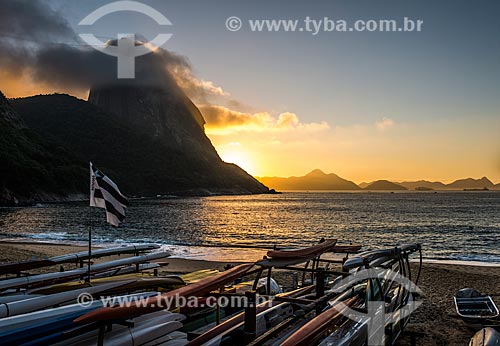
(461, 226)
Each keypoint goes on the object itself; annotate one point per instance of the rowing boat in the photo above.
(475, 309)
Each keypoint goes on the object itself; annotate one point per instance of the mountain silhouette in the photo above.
(314, 180)
(423, 184)
(384, 185)
(145, 161)
(32, 168)
(470, 183)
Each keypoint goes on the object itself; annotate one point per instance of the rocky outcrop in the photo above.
(31, 168)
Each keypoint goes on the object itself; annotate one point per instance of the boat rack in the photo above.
(317, 298)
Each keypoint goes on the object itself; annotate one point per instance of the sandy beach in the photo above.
(436, 318)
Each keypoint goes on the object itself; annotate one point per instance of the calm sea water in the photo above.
(449, 225)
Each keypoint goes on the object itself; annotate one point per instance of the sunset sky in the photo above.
(365, 105)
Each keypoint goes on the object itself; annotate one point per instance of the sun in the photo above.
(239, 158)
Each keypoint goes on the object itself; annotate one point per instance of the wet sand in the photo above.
(436, 318)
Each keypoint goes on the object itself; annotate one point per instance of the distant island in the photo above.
(318, 180)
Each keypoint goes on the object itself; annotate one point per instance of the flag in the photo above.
(105, 194)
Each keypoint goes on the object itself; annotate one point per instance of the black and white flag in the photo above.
(105, 194)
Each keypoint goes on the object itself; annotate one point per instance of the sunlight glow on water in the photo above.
(449, 225)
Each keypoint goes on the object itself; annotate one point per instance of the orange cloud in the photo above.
(222, 120)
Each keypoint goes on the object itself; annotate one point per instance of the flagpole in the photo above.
(90, 244)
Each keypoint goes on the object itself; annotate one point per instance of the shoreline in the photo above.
(52, 198)
(436, 318)
(225, 253)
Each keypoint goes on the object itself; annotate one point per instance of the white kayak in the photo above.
(28, 327)
(84, 255)
(22, 266)
(38, 303)
(16, 297)
(61, 276)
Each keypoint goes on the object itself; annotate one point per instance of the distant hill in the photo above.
(423, 185)
(32, 168)
(318, 180)
(315, 180)
(470, 183)
(384, 185)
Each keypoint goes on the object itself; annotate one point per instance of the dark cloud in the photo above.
(37, 41)
(33, 20)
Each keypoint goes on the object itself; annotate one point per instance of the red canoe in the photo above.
(310, 331)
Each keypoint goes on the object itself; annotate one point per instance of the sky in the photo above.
(364, 105)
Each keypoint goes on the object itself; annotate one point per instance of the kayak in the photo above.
(16, 297)
(176, 338)
(17, 267)
(313, 251)
(346, 248)
(26, 327)
(70, 274)
(350, 333)
(155, 303)
(309, 333)
(144, 329)
(198, 275)
(84, 255)
(137, 336)
(38, 303)
(136, 281)
(236, 321)
(127, 270)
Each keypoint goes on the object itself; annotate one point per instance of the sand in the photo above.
(436, 318)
